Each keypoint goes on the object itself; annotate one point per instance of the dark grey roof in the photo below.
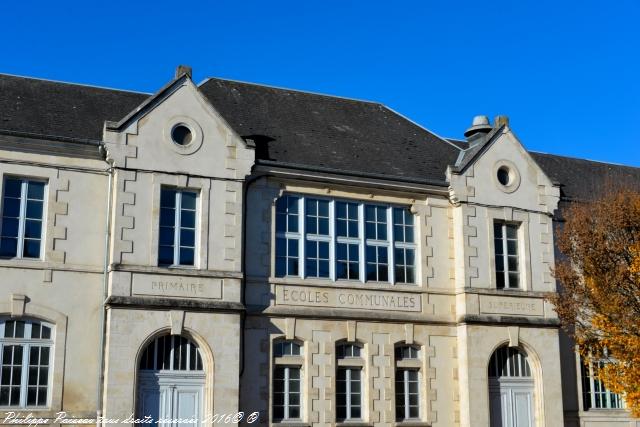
(43, 107)
(585, 179)
(301, 128)
(289, 128)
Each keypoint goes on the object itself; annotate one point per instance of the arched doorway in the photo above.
(511, 389)
(171, 381)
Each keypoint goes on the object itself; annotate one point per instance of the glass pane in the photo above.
(513, 263)
(513, 280)
(42, 396)
(19, 334)
(34, 355)
(323, 208)
(168, 198)
(33, 229)
(499, 263)
(34, 209)
(35, 190)
(370, 230)
(10, 227)
(12, 187)
(11, 207)
(512, 247)
(35, 330)
(498, 246)
(31, 248)
(165, 255)
(8, 247)
(188, 200)
(186, 256)
(9, 330)
(341, 228)
(382, 231)
(512, 232)
(497, 230)
(341, 251)
(32, 395)
(292, 267)
(499, 280)
(324, 250)
(167, 234)
(167, 217)
(187, 237)
(188, 219)
(281, 223)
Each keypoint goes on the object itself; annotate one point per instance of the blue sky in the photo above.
(566, 72)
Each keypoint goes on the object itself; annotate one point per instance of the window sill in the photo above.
(291, 423)
(346, 284)
(412, 423)
(354, 424)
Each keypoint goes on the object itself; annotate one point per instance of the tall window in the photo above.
(594, 394)
(407, 382)
(505, 239)
(349, 382)
(287, 380)
(22, 218)
(177, 240)
(26, 352)
(344, 240)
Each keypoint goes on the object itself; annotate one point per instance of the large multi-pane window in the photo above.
(22, 218)
(505, 239)
(344, 240)
(287, 379)
(177, 240)
(26, 352)
(349, 382)
(594, 394)
(407, 382)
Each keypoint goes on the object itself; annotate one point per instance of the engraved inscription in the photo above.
(175, 286)
(507, 305)
(347, 298)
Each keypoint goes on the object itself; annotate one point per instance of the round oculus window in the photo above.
(504, 176)
(181, 135)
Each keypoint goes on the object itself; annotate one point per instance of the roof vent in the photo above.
(500, 121)
(480, 125)
(183, 69)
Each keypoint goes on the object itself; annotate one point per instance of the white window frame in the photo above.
(348, 363)
(301, 236)
(24, 182)
(404, 246)
(406, 365)
(505, 254)
(177, 228)
(288, 362)
(587, 373)
(26, 344)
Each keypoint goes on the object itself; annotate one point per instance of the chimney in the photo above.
(183, 69)
(479, 128)
(500, 121)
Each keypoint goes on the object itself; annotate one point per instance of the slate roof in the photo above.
(43, 107)
(289, 127)
(302, 128)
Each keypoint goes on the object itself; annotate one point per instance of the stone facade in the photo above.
(100, 284)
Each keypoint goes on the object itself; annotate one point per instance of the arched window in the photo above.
(407, 382)
(26, 352)
(349, 381)
(509, 362)
(287, 379)
(171, 353)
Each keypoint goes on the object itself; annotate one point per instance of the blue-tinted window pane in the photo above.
(382, 232)
(188, 200)
(33, 229)
(281, 223)
(186, 256)
(311, 249)
(370, 213)
(12, 187)
(323, 250)
(31, 248)
(323, 208)
(165, 255)
(354, 253)
(312, 207)
(8, 247)
(323, 226)
(187, 237)
(370, 230)
(341, 251)
(188, 219)
(166, 235)
(35, 190)
(167, 217)
(281, 267)
(311, 225)
(11, 207)
(281, 247)
(34, 209)
(323, 269)
(10, 227)
(168, 198)
(292, 266)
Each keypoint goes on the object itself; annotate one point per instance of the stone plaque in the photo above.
(347, 298)
(511, 305)
(176, 286)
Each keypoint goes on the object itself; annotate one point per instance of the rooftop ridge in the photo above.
(584, 160)
(306, 92)
(75, 84)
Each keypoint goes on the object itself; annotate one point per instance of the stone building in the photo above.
(225, 246)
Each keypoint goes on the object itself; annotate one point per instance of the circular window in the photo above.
(181, 135)
(504, 177)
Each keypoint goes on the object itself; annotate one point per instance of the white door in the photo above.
(171, 383)
(511, 389)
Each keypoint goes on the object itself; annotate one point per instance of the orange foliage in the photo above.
(598, 301)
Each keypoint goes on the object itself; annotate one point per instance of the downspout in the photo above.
(105, 286)
(245, 192)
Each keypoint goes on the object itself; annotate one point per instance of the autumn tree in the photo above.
(598, 300)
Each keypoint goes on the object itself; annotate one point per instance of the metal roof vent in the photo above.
(480, 125)
(183, 69)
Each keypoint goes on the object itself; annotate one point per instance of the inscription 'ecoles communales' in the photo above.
(292, 295)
